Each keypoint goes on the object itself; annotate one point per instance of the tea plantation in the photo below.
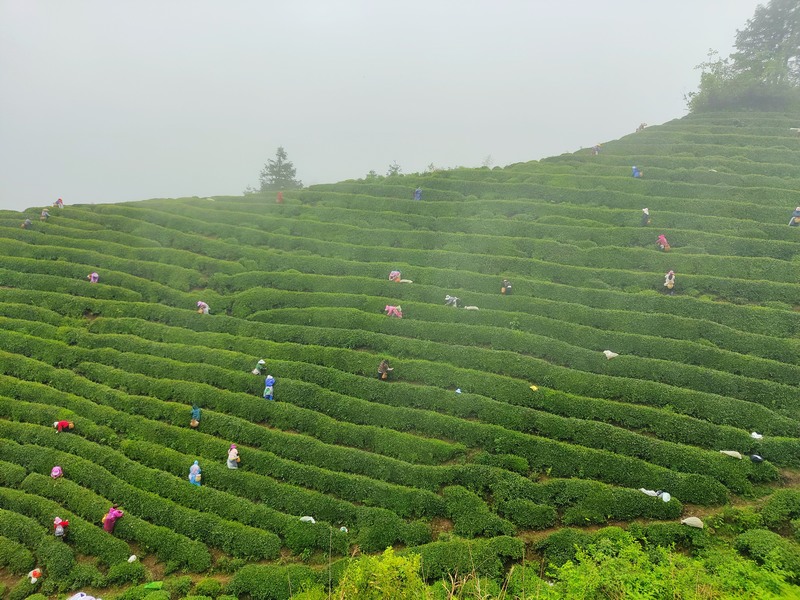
(494, 424)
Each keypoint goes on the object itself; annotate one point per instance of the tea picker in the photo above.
(194, 474)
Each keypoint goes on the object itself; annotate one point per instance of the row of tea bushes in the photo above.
(748, 411)
(85, 537)
(255, 487)
(170, 510)
(328, 402)
(176, 551)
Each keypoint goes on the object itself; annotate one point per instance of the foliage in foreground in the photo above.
(614, 564)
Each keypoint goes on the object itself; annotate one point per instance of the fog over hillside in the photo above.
(107, 102)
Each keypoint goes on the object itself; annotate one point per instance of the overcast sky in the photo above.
(103, 101)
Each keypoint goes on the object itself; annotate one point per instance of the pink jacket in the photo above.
(394, 311)
(111, 518)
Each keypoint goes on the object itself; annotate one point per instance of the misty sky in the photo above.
(110, 100)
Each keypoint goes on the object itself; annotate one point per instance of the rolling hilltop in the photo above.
(545, 432)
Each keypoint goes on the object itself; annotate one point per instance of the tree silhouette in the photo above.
(769, 45)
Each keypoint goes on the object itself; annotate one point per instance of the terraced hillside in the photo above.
(545, 431)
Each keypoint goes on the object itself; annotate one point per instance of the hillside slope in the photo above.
(457, 442)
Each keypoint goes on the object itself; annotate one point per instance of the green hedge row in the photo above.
(667, 425)
(275, 582)
(781, 509)
(623, 474)
(370, 526)
(85, 537)
(504, 365)
(784, 451)
(723, 165)
(599, 436)
(607, 504)
(438, 325)
(232, 537)
(470, 515)
(771, 550)
(11, 475)
(526, 514)
(534, 422)
(611, 175)
(33, 281)
(15, 557)
(549, 244)
(47, 273)
(552, 304)
(456, 257)
(561, 546)
(55, 557)
(159, 377)
(712, 408)
(580, 498)
(176, 551)
(355, 293)
(374, 439)
(601, 225)
(781, 451)
(181, 269)
(600, 194)
(770, 322)
(486, 558)
(312, 451)
(372, 522)
(729, 219)
(30, 313)
(708, 406)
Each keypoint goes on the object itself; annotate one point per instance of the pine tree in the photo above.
(279, 173)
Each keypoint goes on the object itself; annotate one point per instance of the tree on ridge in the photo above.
(278, 174)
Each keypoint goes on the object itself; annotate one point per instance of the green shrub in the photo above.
(471, 517)
(137, 592)
(23, 589)
(527, 515)
(15, 557)
(177, 587)
(483, 557)
(510, 462)
(781, 508)
(86, 575)
(126, 573)
(208, 587)
(561, 546)
(771, 550)
(671, 534)
(265, 582)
